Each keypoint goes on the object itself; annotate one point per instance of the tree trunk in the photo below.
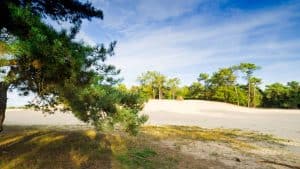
(237, 96)
(159, 93)
(153, 94)
(254, 104)
(173, 95)
(249, 90)
(206, 91)
(226, 94)
(3, 101)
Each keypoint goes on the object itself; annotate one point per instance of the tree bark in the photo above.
(3, 101)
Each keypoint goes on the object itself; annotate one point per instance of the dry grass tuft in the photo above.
(235, 138)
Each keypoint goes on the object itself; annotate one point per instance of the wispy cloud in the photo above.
(201, 43)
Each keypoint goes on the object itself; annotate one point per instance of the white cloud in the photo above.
(247, 37)
(82, 36)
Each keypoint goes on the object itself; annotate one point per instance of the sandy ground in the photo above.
(220, 155)
(280, 122)
(31, 117)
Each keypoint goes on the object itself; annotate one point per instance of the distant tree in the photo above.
(196, 91)
(204, 77)
(183, 92)
(242, 94)
(294, 94)
(254, 82)
(276, 95)
(235, 70)
(248, 69)
(223, 81)
(173, 85)
(153, 81)
(147, 82)
(160, 81)
(222, 86)
(283, 96)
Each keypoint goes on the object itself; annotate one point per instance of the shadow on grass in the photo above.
(47, 148)
(53, 149)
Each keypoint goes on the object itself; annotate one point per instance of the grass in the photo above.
(138, 157)
(32, 148)
(17, 107)
(43, 147)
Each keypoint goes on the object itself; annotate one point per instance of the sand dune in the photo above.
(281, 122)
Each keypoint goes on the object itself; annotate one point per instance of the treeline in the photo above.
(236, 84)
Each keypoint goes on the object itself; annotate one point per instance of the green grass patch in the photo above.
(137, 158)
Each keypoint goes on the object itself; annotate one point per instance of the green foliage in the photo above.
(156, 85)
(106, 106)
(40, 53)
(182, 92)
(172, 86)
(222, 86)
(283, 96)
(241, 96)
(294, 94)
(196, 91)
(72, 11)
(149, 83)
(247, 68)
(203, 77)
(222, 83)
(60, 70)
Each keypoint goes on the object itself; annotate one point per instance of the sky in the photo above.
(182, 38)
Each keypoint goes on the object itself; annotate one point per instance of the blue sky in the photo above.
(181, 38)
